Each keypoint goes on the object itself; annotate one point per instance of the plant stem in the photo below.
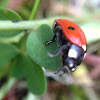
(34, 9)
(24, 25)
(34, 24)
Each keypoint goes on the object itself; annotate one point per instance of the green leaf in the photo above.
(7, 52)
(35, 79)
(37, 50)
(7, 14)
(26, 68)
(3, 3)
(4, 70)
(22, 42)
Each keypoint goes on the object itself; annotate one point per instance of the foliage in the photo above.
(25, 55)
(38, 51)
(21, 65)
(6, 14)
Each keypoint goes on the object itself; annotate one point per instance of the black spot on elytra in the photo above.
(71, 28)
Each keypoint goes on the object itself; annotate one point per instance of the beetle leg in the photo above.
(56, 35)
(66, 69)
(61, 74)
(50, 41)
(64, 47)
(61, 68)
(59, 38)
(58, 70)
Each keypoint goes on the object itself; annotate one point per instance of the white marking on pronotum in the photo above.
(71, 65)
(72, 53)
(73, 69)
(84, 47)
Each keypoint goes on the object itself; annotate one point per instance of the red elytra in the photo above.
(75, 36)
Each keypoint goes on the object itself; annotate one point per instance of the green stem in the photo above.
(34, 9)
(34, 24)
(23, 25)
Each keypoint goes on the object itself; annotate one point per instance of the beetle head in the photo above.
(70, 62)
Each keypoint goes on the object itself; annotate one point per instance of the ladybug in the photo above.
(72, 44)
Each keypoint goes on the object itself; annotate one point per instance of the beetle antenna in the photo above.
(58, 51)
